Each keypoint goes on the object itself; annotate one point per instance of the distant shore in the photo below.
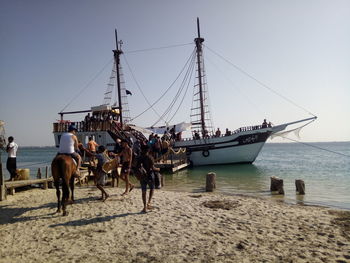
(182, 227)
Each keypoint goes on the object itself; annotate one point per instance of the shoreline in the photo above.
(183, 227)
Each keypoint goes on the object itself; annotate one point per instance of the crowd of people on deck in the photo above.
(98, 120)
(196, 134)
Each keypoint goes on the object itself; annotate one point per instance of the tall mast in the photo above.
(117, 53)
(199, 42)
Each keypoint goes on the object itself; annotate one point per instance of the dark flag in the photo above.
(128, 92)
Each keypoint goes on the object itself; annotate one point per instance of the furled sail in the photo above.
(180, 127)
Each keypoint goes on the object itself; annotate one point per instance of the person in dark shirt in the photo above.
(146, 176)
(100, 173)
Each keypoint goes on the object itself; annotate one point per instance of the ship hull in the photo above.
(243, 147)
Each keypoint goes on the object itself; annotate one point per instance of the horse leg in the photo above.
(58, 194)
(65, 197)
(71, 184)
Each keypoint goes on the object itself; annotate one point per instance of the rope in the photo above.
(171, 105)
(87, 85)
(139, 88)
(259, 82)
(157, 48)
(317, 147)
(188, 84)
(33, 164)
(166, 91)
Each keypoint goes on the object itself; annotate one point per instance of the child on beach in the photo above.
(101, 175)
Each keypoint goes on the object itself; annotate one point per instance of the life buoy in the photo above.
(205, 153)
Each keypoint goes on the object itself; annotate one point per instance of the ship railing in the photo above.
(82, 126)
(239, 130)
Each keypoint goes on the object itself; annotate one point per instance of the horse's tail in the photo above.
(64, 170)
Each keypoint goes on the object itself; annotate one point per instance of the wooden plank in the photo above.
(21, 183)
(180, 167)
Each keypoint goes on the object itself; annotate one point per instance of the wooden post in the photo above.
(38, 175)
(46, 184)
(2, 183)
(210, 183)
(276, 185)
(300, 186)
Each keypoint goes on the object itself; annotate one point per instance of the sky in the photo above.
(58, 53)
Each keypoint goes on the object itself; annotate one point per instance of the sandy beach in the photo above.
(182, 227)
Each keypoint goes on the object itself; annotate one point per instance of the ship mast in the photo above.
(199, 42)
(117, 52)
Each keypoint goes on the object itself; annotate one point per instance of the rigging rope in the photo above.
(259, 82)
(166, 91)
(87, 85)
(317, 147)
(188, 84)
(33, 164)
(157, 48)
(171, 105)
(139, 88)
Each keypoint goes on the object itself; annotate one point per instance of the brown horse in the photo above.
(63, 167)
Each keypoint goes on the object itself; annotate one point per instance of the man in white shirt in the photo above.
(68, 145)
(11, 163)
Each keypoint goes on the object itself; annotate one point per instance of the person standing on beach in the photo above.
(101, 175)
(92, 145)
(126, 157)
(11, 163)
(145, 172)
(69, 145)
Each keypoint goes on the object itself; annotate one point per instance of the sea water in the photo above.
(326, 174)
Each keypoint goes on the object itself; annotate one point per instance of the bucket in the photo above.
(23, 174)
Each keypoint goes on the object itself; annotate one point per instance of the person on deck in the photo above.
(11, 163)
(264, 124)
(196, 135)
(218, 133)
(146, 171)
(69, 145)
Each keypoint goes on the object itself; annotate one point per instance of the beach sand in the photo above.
(182, 227)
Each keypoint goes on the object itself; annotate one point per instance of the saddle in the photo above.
(70, 155)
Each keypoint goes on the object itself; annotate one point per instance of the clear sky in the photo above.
(51, 50)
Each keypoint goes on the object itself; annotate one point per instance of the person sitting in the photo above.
(69, 145)
(228, 133)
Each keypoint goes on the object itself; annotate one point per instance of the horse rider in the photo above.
(69, 146)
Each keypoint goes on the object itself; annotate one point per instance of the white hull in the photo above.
(242, 147)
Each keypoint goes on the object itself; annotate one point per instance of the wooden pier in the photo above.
(172, 167)
(8, 187)
(173, 162)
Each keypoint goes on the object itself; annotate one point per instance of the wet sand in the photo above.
(182, 227)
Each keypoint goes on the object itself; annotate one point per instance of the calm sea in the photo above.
(326, 174)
